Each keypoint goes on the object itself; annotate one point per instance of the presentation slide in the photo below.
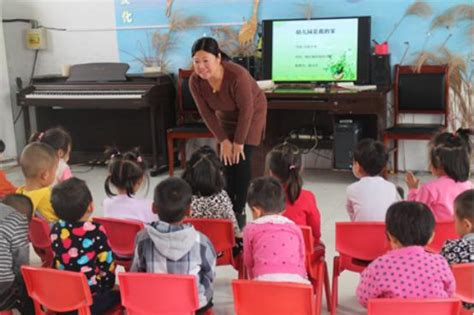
(315, 50)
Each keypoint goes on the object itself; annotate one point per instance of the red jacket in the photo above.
(305, 212)
(6, 187)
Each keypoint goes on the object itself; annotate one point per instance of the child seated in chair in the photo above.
(450, 163)
(369, 198)
(169, 246)
(462, 250)
(81, 245)
(15, 214)
(6, 187)
(274, 248)
(38, 163)
(408, 270)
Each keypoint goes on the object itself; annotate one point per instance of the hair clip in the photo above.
(292, 167)
(139, 159)
(41, 135)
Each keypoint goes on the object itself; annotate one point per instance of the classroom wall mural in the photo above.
(158, 35)
(162, 31)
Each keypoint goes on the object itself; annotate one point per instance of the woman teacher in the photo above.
(234, 109)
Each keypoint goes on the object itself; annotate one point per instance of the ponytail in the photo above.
(285, 162)
(451, 153)
(125, 171)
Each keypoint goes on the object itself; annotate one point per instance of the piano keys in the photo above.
(102, 106)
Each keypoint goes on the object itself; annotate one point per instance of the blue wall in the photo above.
(384, 13)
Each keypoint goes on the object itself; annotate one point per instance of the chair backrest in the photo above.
(361, 240)
(184, 100)
(425, 91)
(121, 234)
(464, 275)
(38, 233)
(308, 239)
(444, 230)
(414, 306)
(57, 290)
(221, 234)
(265, 297)
(145, 293)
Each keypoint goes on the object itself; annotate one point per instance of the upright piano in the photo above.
(102, 106)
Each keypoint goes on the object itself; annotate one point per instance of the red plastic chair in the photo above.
(253, 297)
(149, 294)
(221, 234)
(38, 234)
(121, 234)
(414, 306)
(59, 291)
(443, 231)
(6, 312)
(358, 243)
(317, 271)
(464, 275)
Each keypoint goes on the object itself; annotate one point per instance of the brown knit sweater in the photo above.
(238, 111)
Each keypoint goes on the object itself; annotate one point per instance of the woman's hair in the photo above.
(58, 138)
(284, 161)
(451, 153)
(209, 45)
(410, 222)
(204, 172)
(267, 194)
(125, 171)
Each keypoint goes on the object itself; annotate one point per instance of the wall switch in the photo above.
(36, 38)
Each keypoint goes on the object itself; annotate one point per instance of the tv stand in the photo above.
(289, 111)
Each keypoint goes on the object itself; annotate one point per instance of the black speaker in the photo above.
(346, 135)
(380, 70)
(249, 63)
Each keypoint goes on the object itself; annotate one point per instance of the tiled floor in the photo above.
(328, 186)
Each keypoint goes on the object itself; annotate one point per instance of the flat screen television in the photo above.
(319, 50)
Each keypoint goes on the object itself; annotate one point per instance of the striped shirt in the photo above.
(14, 249)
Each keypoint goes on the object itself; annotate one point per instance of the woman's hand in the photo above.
(226, 149)
(237, 152)
(412, 181)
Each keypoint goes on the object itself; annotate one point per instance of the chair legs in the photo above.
(169, 143)
(335, 276)
(327, 288)
(394, 151)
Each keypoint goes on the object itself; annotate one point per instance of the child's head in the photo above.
(449, 155)
(126, 172)
(370, 158)
(172, 200)
(284, 162)
(58, 138)
(38, 163)
(21, 203)
(265, 196)
(409, 223)
(72, 200)
(464, 212)
(204, 172)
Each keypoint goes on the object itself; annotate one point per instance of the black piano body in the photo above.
(102, 110)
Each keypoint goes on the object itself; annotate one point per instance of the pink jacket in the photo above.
(439, 195)
(408, 272)
(274, 244)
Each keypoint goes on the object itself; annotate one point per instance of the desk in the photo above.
(287, 111)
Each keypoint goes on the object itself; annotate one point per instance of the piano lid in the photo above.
(98, 72)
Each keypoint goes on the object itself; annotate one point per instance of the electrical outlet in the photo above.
(36, 38)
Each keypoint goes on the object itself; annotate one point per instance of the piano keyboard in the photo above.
(123, 94)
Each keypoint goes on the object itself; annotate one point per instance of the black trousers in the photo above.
(101, 303)
(238, 177)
